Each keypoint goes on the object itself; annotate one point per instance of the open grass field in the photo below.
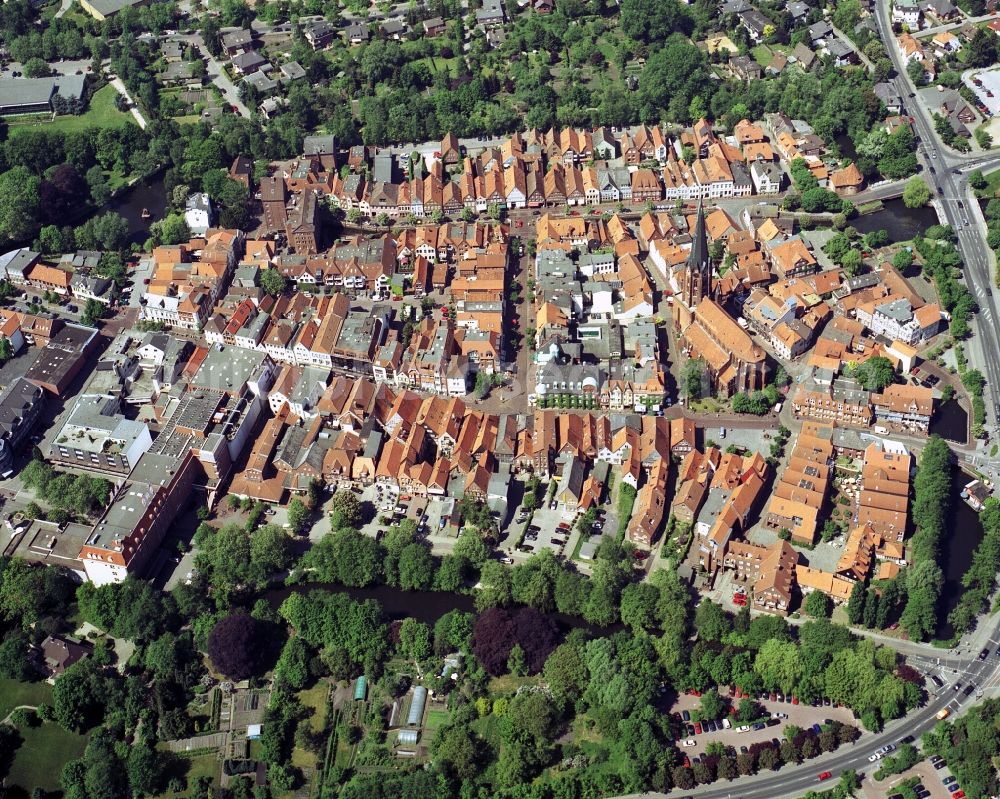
(40, 759)
(100, 114)
(436, 718)
(315, 698)
(993, 183)
(190, 769)
(14, 693)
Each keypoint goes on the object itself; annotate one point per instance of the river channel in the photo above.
(900, 222)
(963, 532)
(424, 606)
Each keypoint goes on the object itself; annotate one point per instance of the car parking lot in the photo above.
(801, 715)
(931, 783)
(549, 529)
(989, 84)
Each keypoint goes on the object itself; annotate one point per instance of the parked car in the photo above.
(689, 742)
(686, 715)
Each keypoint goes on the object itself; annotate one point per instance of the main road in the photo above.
(946, 177)
(793, 781)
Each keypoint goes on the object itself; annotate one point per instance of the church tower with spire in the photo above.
(698, 283)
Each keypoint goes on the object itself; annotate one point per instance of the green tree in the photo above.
(856, 603)
(346, 557)
(565, 671)
(346, 510)
(638, 605)
(172, 229)
(92, 312)
(875, 373)
(778, 665)
(298, 516)
(415, 639)
(472, 546)
(36, 68)
(416, 568)
(273, 282)
(693, 378)
(818, 605)
(77, 699)
(711, 706)
(19, 203)
(916, 194)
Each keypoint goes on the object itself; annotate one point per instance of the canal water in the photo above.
(150, 196)
(424, 606)
(900, 222)
(963, 532)
(951, 422)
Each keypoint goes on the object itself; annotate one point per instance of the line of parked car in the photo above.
(698, 727)
(950, 782)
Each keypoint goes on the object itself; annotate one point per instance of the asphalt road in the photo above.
(792, 782)
(945, 176)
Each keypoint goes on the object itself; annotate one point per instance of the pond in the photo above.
(963, 534)
(900, 222)
(150, 196)
(951, 421)
(424, 606)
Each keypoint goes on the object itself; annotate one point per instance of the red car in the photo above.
(697, 728)
(824, 776)
(958, 795)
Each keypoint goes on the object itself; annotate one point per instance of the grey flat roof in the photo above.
(33, 91)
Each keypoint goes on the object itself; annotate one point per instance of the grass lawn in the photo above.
(762, 54)
(40, 759)
(707, 405)
(436, 718)
(508, 684)
(315, 698)
(14, 693)
(580, 541)
(992, 183)
(191, 768)
(100, 114)
(437, 64)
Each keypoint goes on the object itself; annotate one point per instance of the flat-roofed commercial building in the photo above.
(34, 95)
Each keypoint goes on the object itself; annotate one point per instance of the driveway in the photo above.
(931, 780)
(215, 72)
(120, 88)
